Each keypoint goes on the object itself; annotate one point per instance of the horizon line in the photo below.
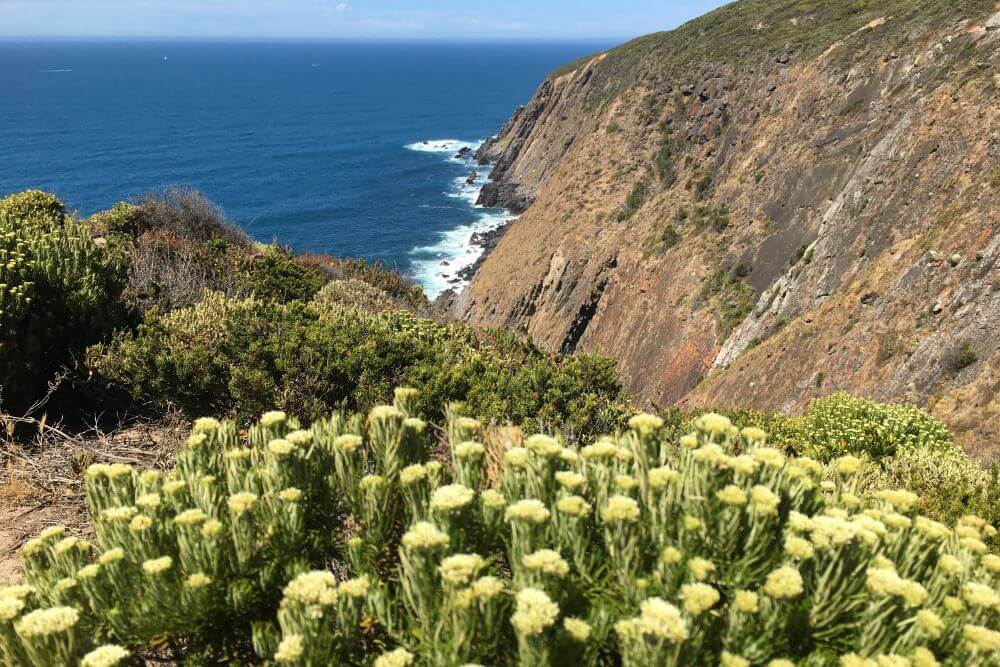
(359, 38)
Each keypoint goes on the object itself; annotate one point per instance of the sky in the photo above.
(347, 19)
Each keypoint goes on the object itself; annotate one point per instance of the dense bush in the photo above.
(187, 214)
(180, 245)
(396, 286)
(59, 291)
(239, 356)
(948, 483)
(920, 457)
(275, 275)
(841, 423)
(354, 293)
(635, 550)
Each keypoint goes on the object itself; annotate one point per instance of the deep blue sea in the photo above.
(319, 146)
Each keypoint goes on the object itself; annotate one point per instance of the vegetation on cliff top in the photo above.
(726, 35)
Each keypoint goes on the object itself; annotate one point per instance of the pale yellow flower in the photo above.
(516, 457)
(160, 565)
(799, 548)
(43, 622)
(660, 619)
(980, 638)
(492, 499)
(671, 556)
(108, 655)
(785, 582)
(424, 536)
(930, 623)
(746, 602)
(728, 659)
(698, 598)
(318, 587)
(569, 480)
(535, 611)
(901, 499)
(412, 474)
(354, 588)
(645, 423)
(577, 629)
(469, 450)
(660, 478)
(621, 509)
(529, 510)
(732, 495)
(547, 562)
(711, 422)
(451, 498)
(922, 657)
(979, 595)
(543, 445)
(700, 568)
(848, 465)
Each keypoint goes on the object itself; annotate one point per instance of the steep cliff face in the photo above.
(773, 202)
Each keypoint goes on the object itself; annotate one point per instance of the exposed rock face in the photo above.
(767, 226)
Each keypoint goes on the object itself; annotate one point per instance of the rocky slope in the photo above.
(773, 202)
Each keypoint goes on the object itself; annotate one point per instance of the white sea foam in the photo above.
(437, 266)
(443, 146)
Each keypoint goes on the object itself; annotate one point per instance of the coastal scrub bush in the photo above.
(947, 481)
(382, 278)
(840, 423)
(354, 293)
(275, 275)
(348, 543)
(181, 246)
(59, 291)
(235, 357)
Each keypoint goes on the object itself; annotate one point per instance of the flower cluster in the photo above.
(632, 550)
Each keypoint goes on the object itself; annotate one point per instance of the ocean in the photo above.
(340, 148)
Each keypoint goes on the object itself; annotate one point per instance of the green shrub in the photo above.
(733, 299)
(32, 207)
(839, 424)
(121, 219)
(949, 484)
(635, 550)
(58, 292)
(634, 201)
(233, 356)
(275, 275)
(354, 293)
(963, 356)
(666, 156)
(663, 241)
(382, 278)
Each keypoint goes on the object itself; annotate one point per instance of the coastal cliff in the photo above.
(771, 203)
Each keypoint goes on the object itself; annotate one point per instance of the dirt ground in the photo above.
(41, 480)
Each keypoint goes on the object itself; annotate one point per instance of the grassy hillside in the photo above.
(730, 34)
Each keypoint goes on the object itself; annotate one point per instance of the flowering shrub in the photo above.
(58, 291)
(841, 423)
(347, 543)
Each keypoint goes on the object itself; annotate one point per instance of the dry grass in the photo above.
(497, 440)
(41, 474)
